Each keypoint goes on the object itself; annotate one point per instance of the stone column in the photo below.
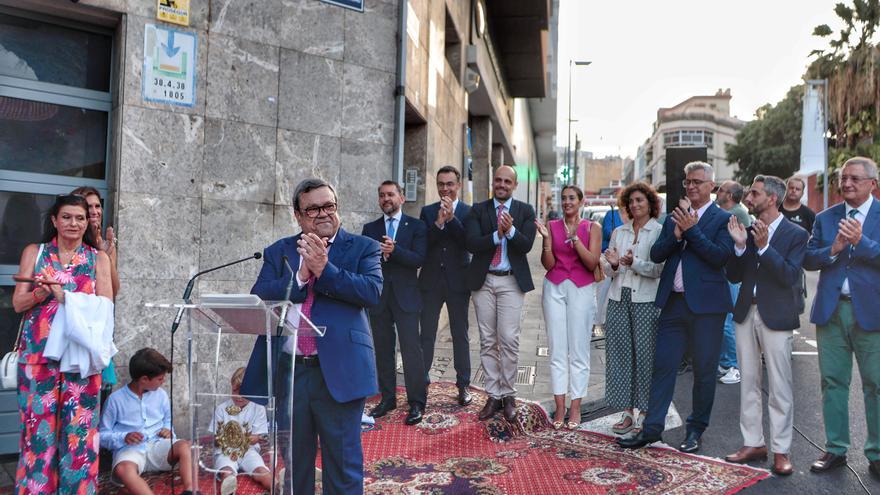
(497, 156)
(481, 139)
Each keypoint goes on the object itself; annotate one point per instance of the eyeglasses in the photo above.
(855, 180)
(315, 211)
(696, 182)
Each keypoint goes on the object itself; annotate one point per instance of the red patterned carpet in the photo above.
(451, 452)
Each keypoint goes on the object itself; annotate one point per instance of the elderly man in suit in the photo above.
(403, 242)
(767, 261)
(337, 277)
(442, 278)
(499, 233)
(694, 299)
(845, 247)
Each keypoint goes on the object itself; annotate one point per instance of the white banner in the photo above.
(813, 129)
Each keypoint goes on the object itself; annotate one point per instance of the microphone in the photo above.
(192, 281)
(283, 318)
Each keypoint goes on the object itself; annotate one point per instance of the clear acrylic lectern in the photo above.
(221, 333)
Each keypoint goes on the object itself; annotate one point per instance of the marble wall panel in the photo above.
(311, 94)
(371, 36)
(133, 65)
(368, 105)
(283, 222)
(161, 152)
(232, 230)
(363, 167)
(239, 162)
(158, 236)
(137, 325)
(301, 156)
(254, 20)
(313, 27)
(242, 81)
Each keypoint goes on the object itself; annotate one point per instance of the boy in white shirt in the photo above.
(238, 425)
(136, 426)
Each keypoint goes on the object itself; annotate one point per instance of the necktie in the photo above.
(307, 344)
(390, 230)
(496, 258)
(852, 214)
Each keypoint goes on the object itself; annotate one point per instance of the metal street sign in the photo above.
(169, 74)
(349, 4)
(175, 11)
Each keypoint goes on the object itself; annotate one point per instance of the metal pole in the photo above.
(400, 96)
(568, 146)
(825, 135)
(577, 149)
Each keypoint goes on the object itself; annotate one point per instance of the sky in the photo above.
(651, 54)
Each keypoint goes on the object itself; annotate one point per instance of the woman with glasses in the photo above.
(631, 326)
(571, 253)
(59, 410)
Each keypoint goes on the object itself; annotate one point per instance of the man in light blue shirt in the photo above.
(136, 426)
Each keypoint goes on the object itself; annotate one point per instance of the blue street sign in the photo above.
(349, 4)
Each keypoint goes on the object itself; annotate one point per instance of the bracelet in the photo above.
(547, 249)
(36, 299)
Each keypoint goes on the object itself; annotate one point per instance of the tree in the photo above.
(770, 144)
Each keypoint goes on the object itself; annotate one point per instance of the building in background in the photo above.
(279, 91)
(699, 121)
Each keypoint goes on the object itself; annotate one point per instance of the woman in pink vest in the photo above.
(571, 253)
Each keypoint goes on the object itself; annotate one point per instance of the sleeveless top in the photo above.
(78, 276)
(568, 265)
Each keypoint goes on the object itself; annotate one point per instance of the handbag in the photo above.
(9, 364)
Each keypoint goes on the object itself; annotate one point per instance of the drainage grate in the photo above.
(525, 375)
(543, 351)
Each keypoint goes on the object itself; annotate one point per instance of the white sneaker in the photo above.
(228, 485)
(732, 376)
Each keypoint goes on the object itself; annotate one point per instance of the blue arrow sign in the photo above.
(170, 49)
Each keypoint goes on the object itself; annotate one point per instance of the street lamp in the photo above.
(568, 147)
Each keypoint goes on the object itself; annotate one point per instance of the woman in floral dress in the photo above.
(59, 411)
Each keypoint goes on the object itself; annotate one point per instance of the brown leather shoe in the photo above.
(782, 465)
(747, 454)
(492, 406)
(509, 407)
(827, 462)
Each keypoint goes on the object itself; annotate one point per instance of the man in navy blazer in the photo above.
(845, 247)
(442, 278)
(338, 275)
(694, 299)
(403, 241)
(767, 262)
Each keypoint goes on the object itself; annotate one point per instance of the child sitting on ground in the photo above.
(136, 426)
(238, 426)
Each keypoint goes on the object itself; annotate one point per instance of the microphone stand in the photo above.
(187, 293)
(280, 328)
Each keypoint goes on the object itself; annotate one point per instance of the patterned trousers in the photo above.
(59, 431)
(630, 338)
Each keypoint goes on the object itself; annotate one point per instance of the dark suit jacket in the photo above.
(777, 274)
(479, 227)
(861, 266)
(709, 246)
(400, 271)
(447, 255)
(351, 281)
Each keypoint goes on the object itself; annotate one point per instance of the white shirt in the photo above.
(251, 420)
(863, 209)
(770, 230)
(397, 216)
(678, 282)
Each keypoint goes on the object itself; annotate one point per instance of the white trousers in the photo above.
(498, 306)
(568, 315)
(752, 339)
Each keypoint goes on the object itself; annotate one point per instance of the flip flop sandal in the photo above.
(623, 427)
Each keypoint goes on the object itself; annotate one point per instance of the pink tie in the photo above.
(307, 344)
(496, 258)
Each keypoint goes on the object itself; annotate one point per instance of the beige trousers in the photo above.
(752, 339)
(498, 305)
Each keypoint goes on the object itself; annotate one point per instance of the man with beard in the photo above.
(499, 233)
(403, 242)
(767, 262)
(442, 278)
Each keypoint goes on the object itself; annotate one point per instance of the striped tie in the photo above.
(496, 258)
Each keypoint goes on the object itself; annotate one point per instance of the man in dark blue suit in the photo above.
(337, 275)
(767, 262)
(403, 243)
(694, 299)
(442, 278)
(845, 246)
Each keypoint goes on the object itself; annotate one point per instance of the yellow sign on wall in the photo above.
(174, 11)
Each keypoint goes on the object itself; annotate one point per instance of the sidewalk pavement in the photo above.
(533, 378)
